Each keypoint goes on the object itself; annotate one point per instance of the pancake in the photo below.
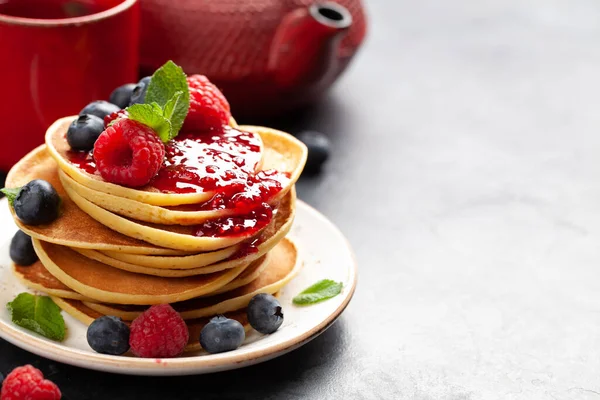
(138, 211)
(282, 152)
(59, 148)
(103, 283)
(74, 228)
(86, 315)
(170, 236)
(250, 274)
(141, 211)
(283, 265)
(265, 242)
(245, 262)
(37, 277)
(269, 237)
(175, 262)
(288, 153)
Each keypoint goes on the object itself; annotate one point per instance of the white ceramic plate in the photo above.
(322, 247)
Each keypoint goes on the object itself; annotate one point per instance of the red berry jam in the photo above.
(247, 248)
(197, 162)
(259, 188)
(223, 162)
(83, 159)
(245, 224)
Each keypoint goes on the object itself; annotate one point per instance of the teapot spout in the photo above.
(305, 49)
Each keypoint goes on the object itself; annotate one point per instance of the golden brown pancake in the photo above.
(280, 151)
(74, 227)
(171, 236)
(59, 148)
(251, 273)
(141, 211)
(37, 277)
(221, 259)
(86, 315)
(268, 239)
(175, 262)
(135, 210)
(103, 283)
(283, 265)
(245, 262)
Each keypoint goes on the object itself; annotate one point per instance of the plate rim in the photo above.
(181, 365)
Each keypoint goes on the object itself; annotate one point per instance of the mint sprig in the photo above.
(38, 314)
(11, 194)
(322, 290)
(172, 106)
(167, 102)
(148, 115)
(166, 82)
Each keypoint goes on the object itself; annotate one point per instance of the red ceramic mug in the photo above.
(55, 57)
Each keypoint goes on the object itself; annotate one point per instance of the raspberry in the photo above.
(28, 383)
(209, 109)
(159, 332)
(116, 115)
(128, 153)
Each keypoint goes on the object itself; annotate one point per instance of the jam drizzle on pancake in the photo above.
(223, 162)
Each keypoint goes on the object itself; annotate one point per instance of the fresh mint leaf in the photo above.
(320, 291)
(157, 108)
(163, 87)
(11, 194)
(38, 314)
(169, 108)
(166, 104)
(152, 116)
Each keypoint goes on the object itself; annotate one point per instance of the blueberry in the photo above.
(84, 131)
(264, 313)
(108, 335)
(99, 108)
(139, 92)
(1, 379)
(222, 334)
(37, 203)
(122, 95)
(319, 148)
(21, 249)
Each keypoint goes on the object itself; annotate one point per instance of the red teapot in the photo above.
(267, 56)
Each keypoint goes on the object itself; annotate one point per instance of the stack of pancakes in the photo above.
(115, 250)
